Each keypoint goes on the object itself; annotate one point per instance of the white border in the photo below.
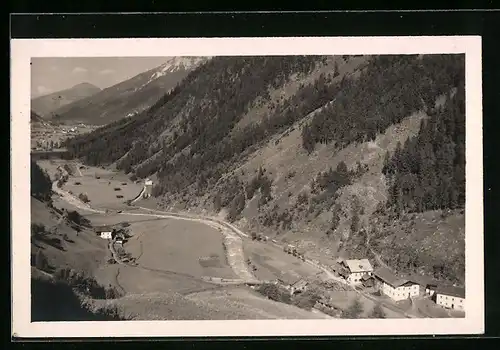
(23, 49)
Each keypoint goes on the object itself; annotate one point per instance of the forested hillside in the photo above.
(368, 138)
(428, 171)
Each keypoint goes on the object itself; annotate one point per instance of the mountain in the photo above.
(130, 96)
(350, 156)
(45, 105)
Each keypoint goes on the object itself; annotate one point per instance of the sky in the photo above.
(55, 74)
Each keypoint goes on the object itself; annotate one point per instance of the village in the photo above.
(47, 136)
(413, 296)
(331, 292)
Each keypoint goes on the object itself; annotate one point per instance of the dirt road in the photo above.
(232, 239)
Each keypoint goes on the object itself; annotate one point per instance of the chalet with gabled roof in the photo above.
(451, 297)
(393, 286)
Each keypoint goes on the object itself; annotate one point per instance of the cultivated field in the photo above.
(186, 247)
(103, 192)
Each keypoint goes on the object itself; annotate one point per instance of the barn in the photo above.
(394, 287)
(451, 297)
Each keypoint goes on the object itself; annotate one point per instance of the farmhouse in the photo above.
(451, 297)
(394, 287)
(299, 286)
(357, 269)
(105, 232)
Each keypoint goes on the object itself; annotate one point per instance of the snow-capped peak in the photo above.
(174, 64)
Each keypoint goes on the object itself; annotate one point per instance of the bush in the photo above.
(41, 186)
(306, 300)
(85, 284)
(41, 262)
(78, 219)
(67, 239)
(274, 292)
(354, 310)
(303, 198)
(377, 312)
(37, 230)
(84, 198)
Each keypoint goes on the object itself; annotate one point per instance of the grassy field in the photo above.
(343, 299)
(65, 247)
(272, 262)
(173, 255)
(182, 246)
(102, 192)
(255, 306)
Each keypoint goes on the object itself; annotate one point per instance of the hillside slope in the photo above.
(64, 255)
(312, 150)
(130, 96)
(47, 104)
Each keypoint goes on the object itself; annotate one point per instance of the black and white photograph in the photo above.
(331, 190)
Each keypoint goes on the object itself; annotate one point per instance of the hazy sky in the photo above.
(54, 74)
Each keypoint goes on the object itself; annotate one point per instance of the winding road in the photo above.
(232, 240)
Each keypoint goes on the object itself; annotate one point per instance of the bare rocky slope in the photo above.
(348, 156)
(130, 96)
(47, 104)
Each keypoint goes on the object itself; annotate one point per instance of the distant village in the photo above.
(47, 136)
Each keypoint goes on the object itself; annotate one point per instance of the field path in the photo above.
(232, 241)
(231, 234)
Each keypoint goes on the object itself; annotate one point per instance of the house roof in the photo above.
(366, 277)
(288, 278)
(343, 272)
(452, 291)
(388, 277)
(362, 265)
(300, 283)
(423, 280)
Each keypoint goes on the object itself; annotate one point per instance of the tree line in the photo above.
(41, 186)
(428, 171)
(390, 88)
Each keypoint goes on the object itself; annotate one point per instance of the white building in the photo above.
(356, 269)
(451, 297)
(148, 186)
(394, 287)
(105, 232)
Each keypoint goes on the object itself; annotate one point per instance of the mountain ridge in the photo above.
(320, 162)
(44, 105)
(130, 96)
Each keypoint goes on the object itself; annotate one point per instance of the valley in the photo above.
(271, 173)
